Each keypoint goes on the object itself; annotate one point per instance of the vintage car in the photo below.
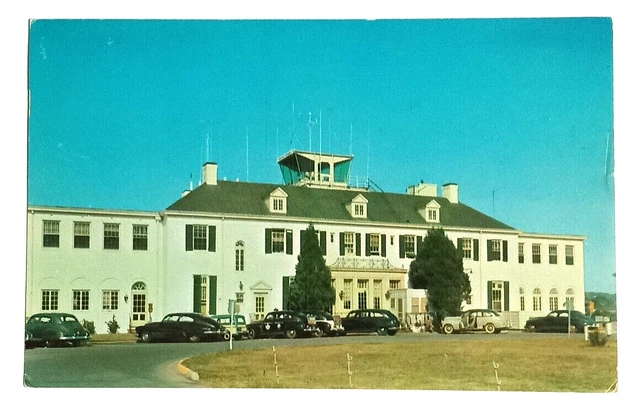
(51, 329)
(291, 324)
(485, 320)
(325, 323)
(380, 321)
(189, 326)
(238, 330)
(558, 321)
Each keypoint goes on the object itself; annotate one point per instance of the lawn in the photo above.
(549, 365)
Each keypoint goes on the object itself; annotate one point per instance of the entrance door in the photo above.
(139, 314)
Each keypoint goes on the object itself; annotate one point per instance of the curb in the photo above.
(191, 375)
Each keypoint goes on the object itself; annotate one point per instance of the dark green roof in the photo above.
(243, 198)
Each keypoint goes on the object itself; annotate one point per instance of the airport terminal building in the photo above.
(227, 240)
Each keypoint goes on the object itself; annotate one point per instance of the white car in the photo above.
(485, 320)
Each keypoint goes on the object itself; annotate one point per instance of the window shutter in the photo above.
(289, 235)
(188, 234)
(213, 294)
(212, 238)
(506, 296)
(285, 293)
(401, 244)
(301, 241)
(420, 242)
(342, 244)
(367, 243)
(267, 241)
(358, 246)
(476, 249)
(489, 285)
(460, 247)
(196, 293)
(505, 251)
(489, 252)
(323, 242)
(383, 245)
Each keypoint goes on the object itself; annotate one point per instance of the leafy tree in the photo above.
(311, 288)
(438, 269)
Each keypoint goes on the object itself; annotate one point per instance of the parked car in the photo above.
(239, 327)
(291, 324)
(371, 320)
(51, 329)
(188, 326)
(485, 320)
(325, 323)
(558, 321)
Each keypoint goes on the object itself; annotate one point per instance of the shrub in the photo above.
(113, 325)
(89, 326)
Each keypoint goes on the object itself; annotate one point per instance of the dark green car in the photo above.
(51, 329)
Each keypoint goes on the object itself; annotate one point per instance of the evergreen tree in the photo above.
(311, 289)
(438, 269)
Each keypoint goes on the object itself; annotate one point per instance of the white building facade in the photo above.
(237, 240)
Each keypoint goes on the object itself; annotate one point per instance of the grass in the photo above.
(543, 365)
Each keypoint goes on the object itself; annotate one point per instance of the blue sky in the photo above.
(518, 112)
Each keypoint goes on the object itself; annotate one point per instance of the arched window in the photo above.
(521, 299)
(569, 299)
(553, 299)
(239, 255)
(537, 300)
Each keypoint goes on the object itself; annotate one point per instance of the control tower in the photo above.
(324, 170)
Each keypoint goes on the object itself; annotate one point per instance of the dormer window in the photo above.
(359, 207)
(278, 201)
(432, 212)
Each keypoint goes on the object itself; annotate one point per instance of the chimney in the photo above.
(450, 192)
(210, 173)
(423, 189)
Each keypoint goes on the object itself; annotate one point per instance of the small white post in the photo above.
(495, 368)
(275, 364)
(349, 359)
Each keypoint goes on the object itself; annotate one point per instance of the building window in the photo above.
(374, 244)
(522, 299)
(467, 248)
(393, 303)
(260, 306)
(568, 252)
(239, 298)
(346, 299)
(495, 249)
(358, 210)
(521, 253)
(278, 201)
(50, 233)
(468, 300)
(239, 256)
(553, 254)
(277, 241)
(432, 215)
(140, 237)
(349, 243)
(359, 207)
(537, 300)
(394, 284)
(363, 287)
(535, 253)
(569, 299)
(50, 300)
(110, 299)
(80, 300)
(377, 293)
(409, 246)
(199, 237)
(496, 295)
(111, 236)
(81, 235)
(553, 299)
(277, 205)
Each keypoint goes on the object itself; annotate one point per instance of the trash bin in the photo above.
(597, 336)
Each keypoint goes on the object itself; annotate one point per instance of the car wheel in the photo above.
(490, 328)
(291, 333)
(145, 337)
(323, 330)
(49, 343)
(227, 335)
(530, 328)
(193, 338)
(382, 331)
(392, 332)
(251, 333)
(447, 329)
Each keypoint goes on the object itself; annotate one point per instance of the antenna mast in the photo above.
(311, 124)
(247, 133)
